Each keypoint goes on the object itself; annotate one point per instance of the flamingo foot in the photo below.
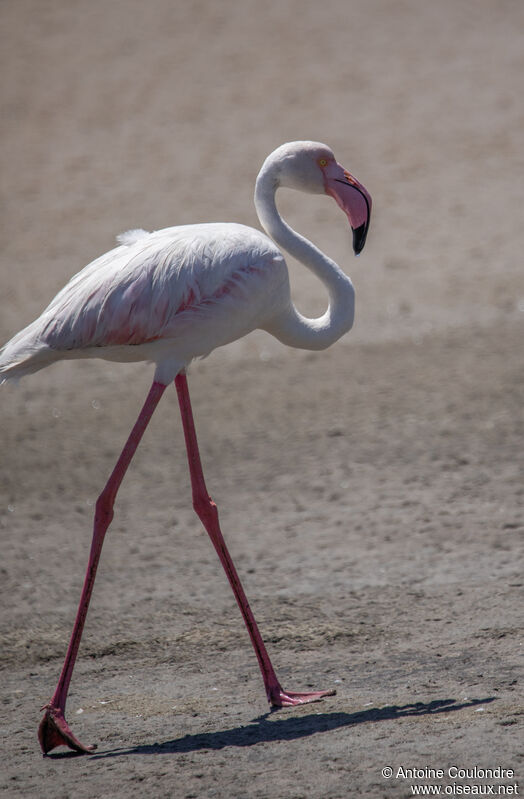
(280, 698)
(55, 731)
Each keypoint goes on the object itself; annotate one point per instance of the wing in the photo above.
(134, 293)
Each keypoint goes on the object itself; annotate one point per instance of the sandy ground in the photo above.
(371, 495)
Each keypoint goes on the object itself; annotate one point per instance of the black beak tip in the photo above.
(359, 237)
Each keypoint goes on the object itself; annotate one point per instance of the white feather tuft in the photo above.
(132, 236)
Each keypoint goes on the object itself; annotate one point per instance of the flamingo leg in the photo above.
(54, 729)
(208, 514)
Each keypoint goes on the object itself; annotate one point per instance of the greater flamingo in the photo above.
(174, 295)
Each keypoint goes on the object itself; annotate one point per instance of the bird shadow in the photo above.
(264, 730)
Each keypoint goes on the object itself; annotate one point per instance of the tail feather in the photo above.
(24, 354)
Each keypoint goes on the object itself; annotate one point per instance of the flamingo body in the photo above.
(168, 297)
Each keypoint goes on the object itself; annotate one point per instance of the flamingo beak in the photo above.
(353, 198)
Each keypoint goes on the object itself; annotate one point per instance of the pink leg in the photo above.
(54, 729)
(207, 511)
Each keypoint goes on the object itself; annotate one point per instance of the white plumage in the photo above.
(168, 297)
(178, 293)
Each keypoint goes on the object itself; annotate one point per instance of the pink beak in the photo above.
(352, 197)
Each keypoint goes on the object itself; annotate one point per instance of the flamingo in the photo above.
(174, 295)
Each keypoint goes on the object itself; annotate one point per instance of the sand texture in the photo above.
(371, 495)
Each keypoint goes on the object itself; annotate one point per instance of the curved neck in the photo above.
(291, 327)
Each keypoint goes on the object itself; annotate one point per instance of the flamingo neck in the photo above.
(291, 327)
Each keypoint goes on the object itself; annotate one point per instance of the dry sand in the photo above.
(371, 495)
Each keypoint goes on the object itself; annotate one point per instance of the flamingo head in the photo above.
(312, 167)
